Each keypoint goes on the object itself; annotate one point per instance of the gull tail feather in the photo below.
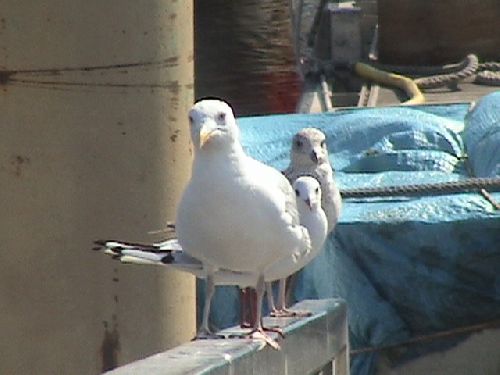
(165, 253)
(117, 246)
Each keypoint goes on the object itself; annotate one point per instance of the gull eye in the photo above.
(323, 143)
(299, 143)
(317, 190)
(297, 192)
(221, 117)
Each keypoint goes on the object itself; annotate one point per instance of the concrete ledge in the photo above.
(310, 345)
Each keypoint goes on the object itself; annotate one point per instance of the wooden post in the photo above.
(245, 55)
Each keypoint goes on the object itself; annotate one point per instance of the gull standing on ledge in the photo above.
(169, 253)
(309, 157)
(312, 216)
(236, 213)
(238, 221)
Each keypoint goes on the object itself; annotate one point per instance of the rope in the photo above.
(425, 70)
(493, 66)
(490, 198)
(467, 185)
(488, 78)
(487, 73)
(470, 68)
(431, 337)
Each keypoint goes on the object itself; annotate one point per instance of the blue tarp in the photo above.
(406, 266)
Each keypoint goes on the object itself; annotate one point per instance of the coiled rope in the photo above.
(482, 73)
(437, 76)
(470, 68)
(490, 74)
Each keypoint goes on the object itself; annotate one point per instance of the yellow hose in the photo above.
(390, 79)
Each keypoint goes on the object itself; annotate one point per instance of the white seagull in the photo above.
(169, 253)
(236, 215)
(309, 157)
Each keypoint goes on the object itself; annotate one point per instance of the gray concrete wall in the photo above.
(309, 346)
(87, 154)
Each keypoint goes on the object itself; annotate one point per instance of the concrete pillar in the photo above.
(94, 143)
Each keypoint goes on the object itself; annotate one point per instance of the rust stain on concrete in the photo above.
(173, 87)
(110, 346)
(172, 61)
(174, 136)
(18, 163)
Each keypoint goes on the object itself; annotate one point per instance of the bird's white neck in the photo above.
(223, 156)
(316, 224)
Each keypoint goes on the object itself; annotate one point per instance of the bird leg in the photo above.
(270, 296)
(204, 331)
(281, 311)
(258, 331)
(248, 319)
(243, 307)
(247, 307)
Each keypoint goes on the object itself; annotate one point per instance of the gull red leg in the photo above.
(258, 331)
(246, 308)
(281, 311)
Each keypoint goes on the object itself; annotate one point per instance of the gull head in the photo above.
(212, 124)
(309, 148)
(308, 192)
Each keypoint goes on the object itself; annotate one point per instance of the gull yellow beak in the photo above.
(205, 135)
(207, 132)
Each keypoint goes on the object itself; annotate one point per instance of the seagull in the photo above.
(170, 253)
(236, 215)
(313, 217)
(309, 157)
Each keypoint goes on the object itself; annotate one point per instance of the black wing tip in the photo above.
(99, 245)
(168, 259)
